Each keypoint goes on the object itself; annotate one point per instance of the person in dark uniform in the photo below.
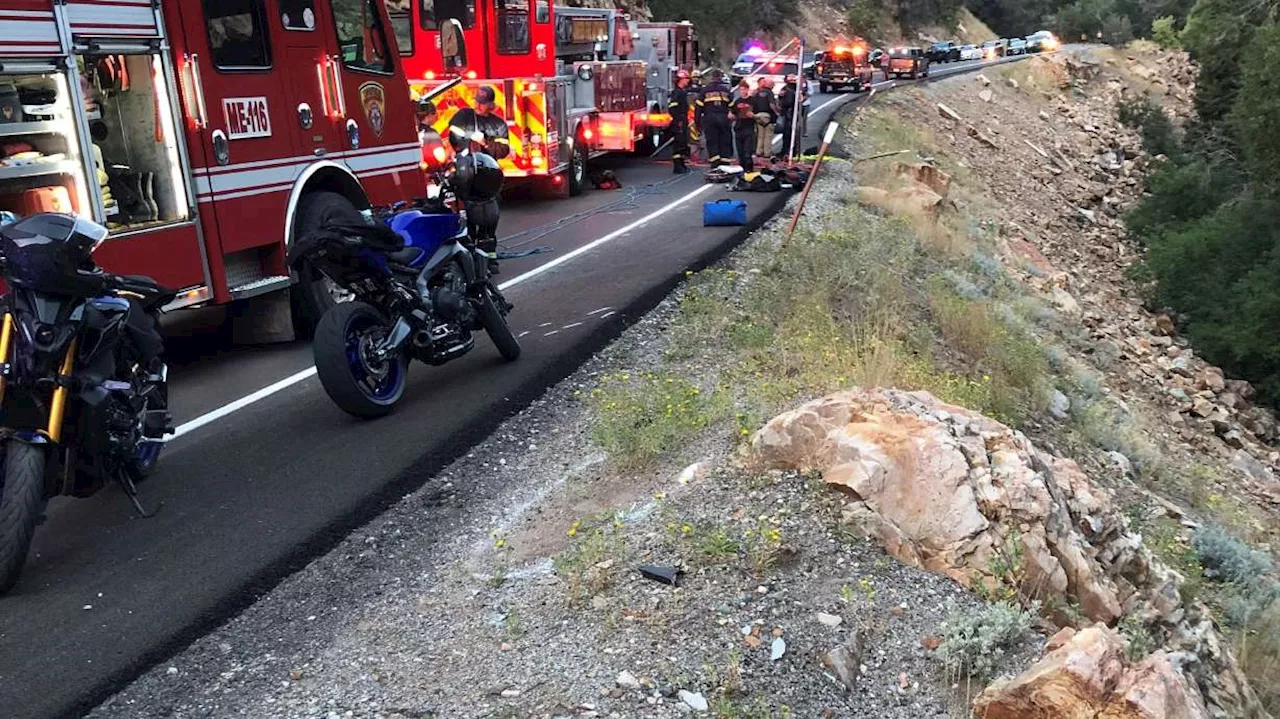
(697, 143)
(678, 106)
(713, 119)
(787, 110)
(479, 129)
(744, 126)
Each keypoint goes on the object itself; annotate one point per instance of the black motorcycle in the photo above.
(83, 392)
(421, 286)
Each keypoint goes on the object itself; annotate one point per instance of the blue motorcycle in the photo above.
(420, 290)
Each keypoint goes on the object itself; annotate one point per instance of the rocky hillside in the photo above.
(927, 457)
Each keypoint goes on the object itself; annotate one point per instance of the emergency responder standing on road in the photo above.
(786, 112)
(678, 107)
(765, 106)
(744, 126)
(713, 119)
(697, 143)
(478, 128)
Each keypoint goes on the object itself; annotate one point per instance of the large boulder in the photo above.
(956, 493)
(959, 494)
(1087, 678)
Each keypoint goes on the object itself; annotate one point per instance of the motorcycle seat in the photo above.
(404, 255)
(154, 294)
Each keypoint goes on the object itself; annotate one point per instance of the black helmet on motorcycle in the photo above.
(479, 178)
(46, 252)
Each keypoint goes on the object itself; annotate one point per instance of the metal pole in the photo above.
(797, 112)
(804, 196)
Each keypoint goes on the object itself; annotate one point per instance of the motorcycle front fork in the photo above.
(58, 402)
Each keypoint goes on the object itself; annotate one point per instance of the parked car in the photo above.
(912, 62)
(970, 52)
(1017, 46)
(1043, 41)
(993, 49)
(944, 52)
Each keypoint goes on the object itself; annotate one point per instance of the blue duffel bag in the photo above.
(724, 213)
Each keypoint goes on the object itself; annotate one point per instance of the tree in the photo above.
(1216, 34)
(1165, 33)
(1254, 120)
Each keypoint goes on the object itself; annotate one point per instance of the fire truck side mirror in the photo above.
(453, 46)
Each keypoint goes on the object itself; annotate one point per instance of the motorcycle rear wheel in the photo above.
(499, 331)
(21, 501)
(357, 385)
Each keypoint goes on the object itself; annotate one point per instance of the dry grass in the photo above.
(1258, 651)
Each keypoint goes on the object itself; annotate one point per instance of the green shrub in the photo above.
(643, 416)
(1142, 114)
(1228, 559)
(1165, 32)
(973, 643)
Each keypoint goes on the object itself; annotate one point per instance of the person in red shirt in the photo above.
(744, 125)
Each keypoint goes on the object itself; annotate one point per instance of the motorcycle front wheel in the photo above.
(355, 379)
(496, 325)
(21, 501)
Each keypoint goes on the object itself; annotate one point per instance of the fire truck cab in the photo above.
(561, 78)
(206, 135)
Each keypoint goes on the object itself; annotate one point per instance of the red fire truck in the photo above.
(559, 76)
(205, 134)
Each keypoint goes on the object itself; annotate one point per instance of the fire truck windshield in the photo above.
(513, 26)
(431, 12)
(360, 35)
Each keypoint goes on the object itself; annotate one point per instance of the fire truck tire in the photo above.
(824, 88)
(21, 503)
(312, 297)
(578, 167)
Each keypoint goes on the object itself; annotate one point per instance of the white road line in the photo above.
(243, 402)
(546, 324)
(607, 238)
(552, 332)
(608, 314)
(522, 334)
(569, 327)
(596, 312)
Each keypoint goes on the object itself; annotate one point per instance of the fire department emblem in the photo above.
(374, 100)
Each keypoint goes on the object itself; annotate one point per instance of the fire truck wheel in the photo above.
(578, 167)
(824, 88)
(314, 294)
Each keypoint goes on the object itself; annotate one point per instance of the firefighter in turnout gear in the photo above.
(713, 119)
(678, 106)
(479, 127)
(697, 143)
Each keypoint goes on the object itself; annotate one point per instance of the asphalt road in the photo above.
(267, 473)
